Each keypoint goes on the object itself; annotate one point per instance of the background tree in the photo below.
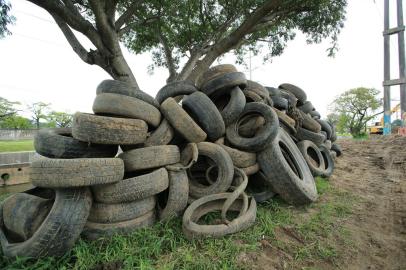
(191, 33)
(5, 18)
(355, 108)
(7, 108)
(39, 110)
(16, 122)
(59, 119)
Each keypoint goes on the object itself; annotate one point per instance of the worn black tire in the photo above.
(296, 91)
(306, 107)
(60, 229)
(162, 135)
(250, 170)
(325, 126)
(66, 173)
(289, 124)
(23, 214)
(304, 134)
(117, 212)
(258, 89)
(273, 91)
(59, 143)
(150, 157)
(120, 105)
(230, 108)
(263, 137)
(328, 162)
(181, 121)
(328, 144)
(205, 113)
(251, 96)
(192, 229)
(309, 123)
(108, 130)
(123, 88)
(336, 148)
(249, 127)
(286, 170)
(174, 89)
(224, 82)
(241, 159)
(259, 188)
(95, 231)
(315, 114)
(222, 159)
(173, 202)
(280, 103)
(214, 72)
(133, 188)
(313, 157)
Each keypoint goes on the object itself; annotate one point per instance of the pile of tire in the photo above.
(221, 145)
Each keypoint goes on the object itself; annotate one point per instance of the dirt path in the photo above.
(375, 171)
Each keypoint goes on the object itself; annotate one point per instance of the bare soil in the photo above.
(374, 172)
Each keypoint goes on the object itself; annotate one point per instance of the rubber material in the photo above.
(224, 82)
(325, 126)
(313, 157)
(304, 134)
(241, 159)
(65, 173)
(280, 102)
(259, 188)
(286, 170)
(336, 148)
(296, 91)
(216, 71)
(328, 162)
(306, 107)
(309, 123)
(182, 122)
(108, 130)
(133, 188)
(161, 136)
(174, 89)
(60, 229)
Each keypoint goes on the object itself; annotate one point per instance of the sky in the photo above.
(37, 63)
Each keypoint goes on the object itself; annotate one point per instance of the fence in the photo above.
(17, 134)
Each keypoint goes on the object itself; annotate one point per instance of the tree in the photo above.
(7, 108)
(193, 32)
(39, 110)
(5, 18)
(60, 119)
(16, 122)
(355, 108)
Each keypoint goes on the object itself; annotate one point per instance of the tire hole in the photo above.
(290, 160)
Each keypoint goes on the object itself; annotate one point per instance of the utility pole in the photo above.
(387, 83)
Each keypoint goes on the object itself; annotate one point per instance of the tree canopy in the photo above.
(187, 36)
(355, 108)
(5, 18)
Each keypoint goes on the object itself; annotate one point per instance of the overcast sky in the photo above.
(37, 64)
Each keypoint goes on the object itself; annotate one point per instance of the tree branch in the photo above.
(123, 19)
(168, 56)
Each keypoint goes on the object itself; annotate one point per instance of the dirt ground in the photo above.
(374, 172)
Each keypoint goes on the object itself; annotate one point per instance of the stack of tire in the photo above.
(192, 150)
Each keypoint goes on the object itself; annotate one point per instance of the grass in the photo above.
(16, 146)
(163, 246)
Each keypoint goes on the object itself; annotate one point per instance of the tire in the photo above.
(336, 148)
(304, 134)
(280, 103)
(60, 229)
(251, 126)
(230, 108)
(118, 212)
(108, 130)
(205, 113)
(174, 89)
(313, 157)
(162, 135)
(93, 231)
(309, 123)
(23, 214)
(283, 164)
(296, 91)
(123, 88)
(273, 91)
(257, 89)
(173, 202)
(224, 82)
(182, 122)
(292, 100)
(58, 143)
(66, 173)
(263, 137)
(259, 188)
(120, 105)
(315, 114)
(325, 127)
(328, 162)
(216, 71)
(251, 96)
(192, 229)
(241, 159)
(225, 169)
(253, 169)
(132, 189)
(150, 157)
(285, 121)
(333, 155)
(307, 107)
(327, 144)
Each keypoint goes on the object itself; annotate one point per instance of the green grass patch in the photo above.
(163, 246)
(16, 146)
